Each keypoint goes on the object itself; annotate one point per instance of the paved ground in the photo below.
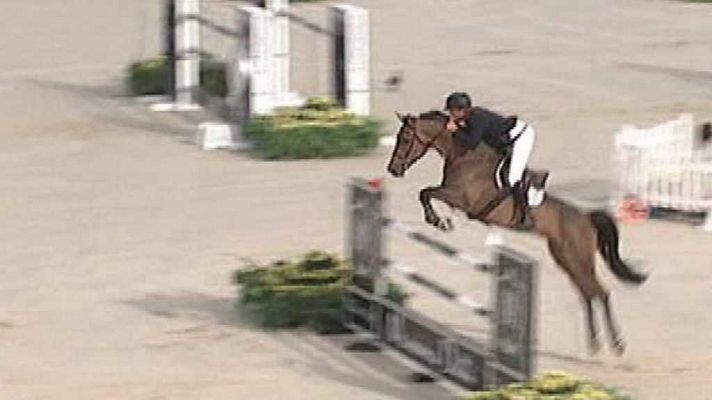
(118, 236)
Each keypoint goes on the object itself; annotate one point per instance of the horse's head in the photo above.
(415, 136)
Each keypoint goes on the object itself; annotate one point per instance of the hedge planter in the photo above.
(307, 291)
(551, 386)
(151, 77)
(317, 130)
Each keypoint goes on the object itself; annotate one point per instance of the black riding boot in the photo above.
(537, 179)
(526, 221)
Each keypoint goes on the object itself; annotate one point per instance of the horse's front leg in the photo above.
(438, 193)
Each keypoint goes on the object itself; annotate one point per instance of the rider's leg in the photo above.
(520, 158)
(521, 150)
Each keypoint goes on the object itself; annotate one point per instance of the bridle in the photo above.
(425, 142)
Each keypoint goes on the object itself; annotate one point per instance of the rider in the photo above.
(472, 125)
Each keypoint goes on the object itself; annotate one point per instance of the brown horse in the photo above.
(468, 184)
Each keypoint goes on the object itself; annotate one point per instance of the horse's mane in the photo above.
(434, 115)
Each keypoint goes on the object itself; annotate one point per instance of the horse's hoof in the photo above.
(445, 225)
(619, 346)
(594, 346)
(450, 225)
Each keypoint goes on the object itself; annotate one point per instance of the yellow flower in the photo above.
(555, 382)
(482, 396)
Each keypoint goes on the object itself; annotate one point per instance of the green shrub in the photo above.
(396, 293)
(213, 76)
(148, 77)
(320, 129)
(551, 386)
(151, 76)
(320, 103)
(307, 291)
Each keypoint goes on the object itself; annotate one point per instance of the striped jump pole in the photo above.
(187, 70)
(443, 248)
(449, 294)
(182, 47)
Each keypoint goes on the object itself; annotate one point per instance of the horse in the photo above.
(469, 184)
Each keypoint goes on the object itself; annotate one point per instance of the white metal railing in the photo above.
(665, 166)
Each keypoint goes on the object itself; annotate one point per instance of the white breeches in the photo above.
(521, 151)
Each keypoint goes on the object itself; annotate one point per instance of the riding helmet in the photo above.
(458, 100)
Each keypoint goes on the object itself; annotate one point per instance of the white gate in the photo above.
(666, 165)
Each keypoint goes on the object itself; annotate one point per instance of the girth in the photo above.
(492, 204)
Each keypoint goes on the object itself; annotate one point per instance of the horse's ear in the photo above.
(400, 116)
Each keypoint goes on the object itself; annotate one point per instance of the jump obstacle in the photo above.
(668, 166)
(472, 364)
(259, 79)
(182, 47)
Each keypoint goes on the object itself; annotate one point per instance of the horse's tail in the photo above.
(607, 232)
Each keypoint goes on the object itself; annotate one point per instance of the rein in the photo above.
(424, 142)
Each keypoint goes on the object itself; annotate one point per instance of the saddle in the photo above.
(531, 178)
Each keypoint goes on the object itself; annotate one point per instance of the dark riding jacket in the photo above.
(482, 125)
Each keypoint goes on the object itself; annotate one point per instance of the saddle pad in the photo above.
(501, 173)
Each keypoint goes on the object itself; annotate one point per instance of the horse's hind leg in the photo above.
(594, 345)
(582, 280)
(614, 333)
(597, 291)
